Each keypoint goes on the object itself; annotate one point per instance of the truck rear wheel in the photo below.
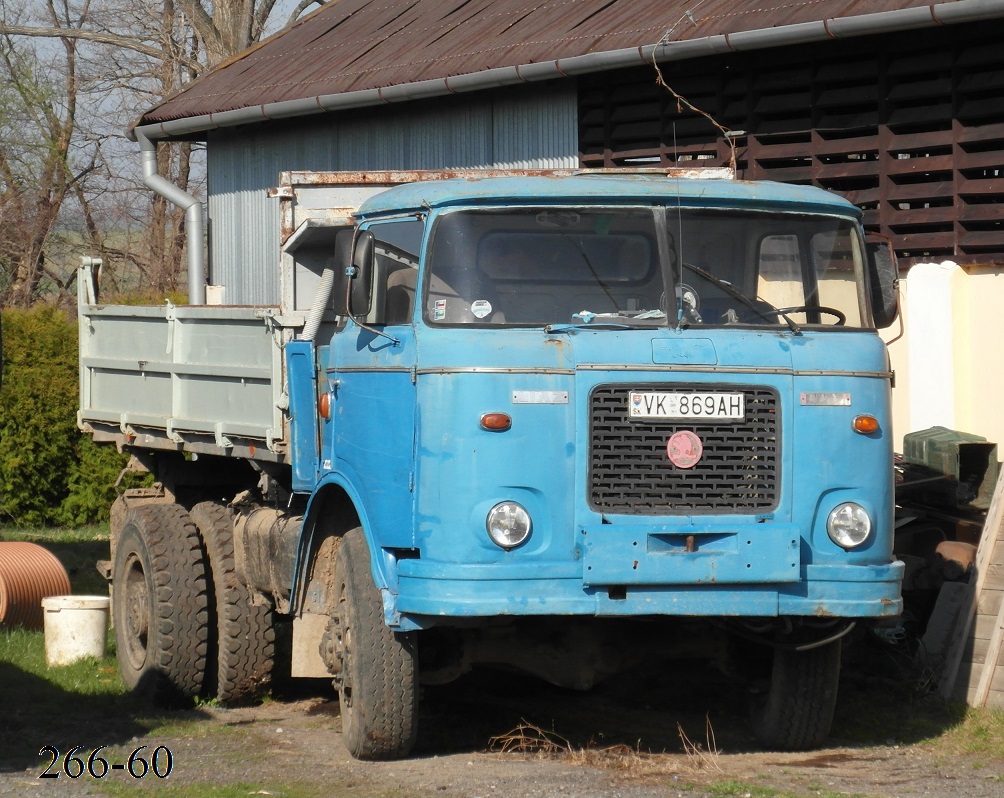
(159, 600)
(242, 640)
(795, 713)
(377, 680)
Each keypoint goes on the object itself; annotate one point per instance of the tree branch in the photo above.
(201, 21)
(302, 6)
(124, 42)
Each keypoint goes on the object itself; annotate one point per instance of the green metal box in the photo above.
(968, 461)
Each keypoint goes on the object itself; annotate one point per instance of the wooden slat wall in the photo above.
(909, 127)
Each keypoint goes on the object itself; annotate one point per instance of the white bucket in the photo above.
(75, 627)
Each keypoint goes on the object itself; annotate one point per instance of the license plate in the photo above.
(657, 404)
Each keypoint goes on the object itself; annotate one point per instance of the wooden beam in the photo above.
(984, 557)
(991, 664)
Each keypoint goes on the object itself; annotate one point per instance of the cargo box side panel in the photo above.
(199, 379)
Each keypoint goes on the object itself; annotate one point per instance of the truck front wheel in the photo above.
(377, 673)
(159, 599)
(795, 711)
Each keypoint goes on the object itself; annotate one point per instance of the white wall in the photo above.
(947, 350)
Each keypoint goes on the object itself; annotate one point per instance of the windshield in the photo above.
(644, 267)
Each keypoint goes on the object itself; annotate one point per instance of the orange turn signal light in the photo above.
(496, 422)
(324, 405)
(865, 424)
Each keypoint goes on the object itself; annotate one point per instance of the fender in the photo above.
(382, 564)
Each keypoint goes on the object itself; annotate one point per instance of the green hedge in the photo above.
(49, 472)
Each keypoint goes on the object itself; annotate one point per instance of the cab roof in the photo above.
(605, 189)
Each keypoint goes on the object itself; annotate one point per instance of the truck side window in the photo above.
(837, 262)
(395, 277)
(779, 279)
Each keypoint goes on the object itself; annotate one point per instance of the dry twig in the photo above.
(527, 738)
(683, 102)
(703, 758)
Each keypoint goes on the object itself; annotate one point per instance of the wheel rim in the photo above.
(136, 631)
(374, 672)
(343, 642)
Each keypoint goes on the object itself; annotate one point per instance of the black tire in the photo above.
(377, 682)
(242, 650)
(795, 713)
(160, 603)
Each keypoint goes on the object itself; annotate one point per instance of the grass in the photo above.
(889, 709)
(55, 534)
(727, 789)
(24, 650)
(740, 789)
(979, 733)
(189, 727)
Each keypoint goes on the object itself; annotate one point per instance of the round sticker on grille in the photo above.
(684, 449)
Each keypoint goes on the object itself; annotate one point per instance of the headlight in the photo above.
(848, 525)
(508, 524)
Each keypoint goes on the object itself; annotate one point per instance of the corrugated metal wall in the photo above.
(526, 127)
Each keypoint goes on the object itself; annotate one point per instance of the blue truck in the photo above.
(562, 422)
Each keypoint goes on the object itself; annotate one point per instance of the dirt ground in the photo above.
(624, 739)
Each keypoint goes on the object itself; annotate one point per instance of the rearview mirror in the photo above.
(883, 279)
(353, 266)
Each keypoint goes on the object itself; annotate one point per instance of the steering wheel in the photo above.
(838, 315)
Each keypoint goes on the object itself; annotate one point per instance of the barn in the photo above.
(896, 104)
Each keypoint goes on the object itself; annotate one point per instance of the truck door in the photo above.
(370, 374)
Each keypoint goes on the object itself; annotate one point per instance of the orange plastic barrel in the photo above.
(28, 574)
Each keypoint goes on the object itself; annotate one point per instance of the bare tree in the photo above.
(35, 162)
(135, 55)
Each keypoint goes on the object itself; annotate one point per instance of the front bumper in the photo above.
(430, 592)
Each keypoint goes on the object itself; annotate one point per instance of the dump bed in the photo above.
(201, 379)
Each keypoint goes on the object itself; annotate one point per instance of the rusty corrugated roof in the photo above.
(372, 45)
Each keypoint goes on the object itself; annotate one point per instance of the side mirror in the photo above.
(883, 279)
(341, 260)
(352, 287)
(363, 258)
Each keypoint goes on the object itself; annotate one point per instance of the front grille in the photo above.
(629, 471)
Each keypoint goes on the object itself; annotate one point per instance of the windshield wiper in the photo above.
(729, 289)
(602, 325)
(605, 320)
(589, 320)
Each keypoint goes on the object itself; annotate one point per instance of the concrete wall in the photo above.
(947, 351)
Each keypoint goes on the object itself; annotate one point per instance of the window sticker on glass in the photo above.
(481, 308)
(439, 311)
(657, 404)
